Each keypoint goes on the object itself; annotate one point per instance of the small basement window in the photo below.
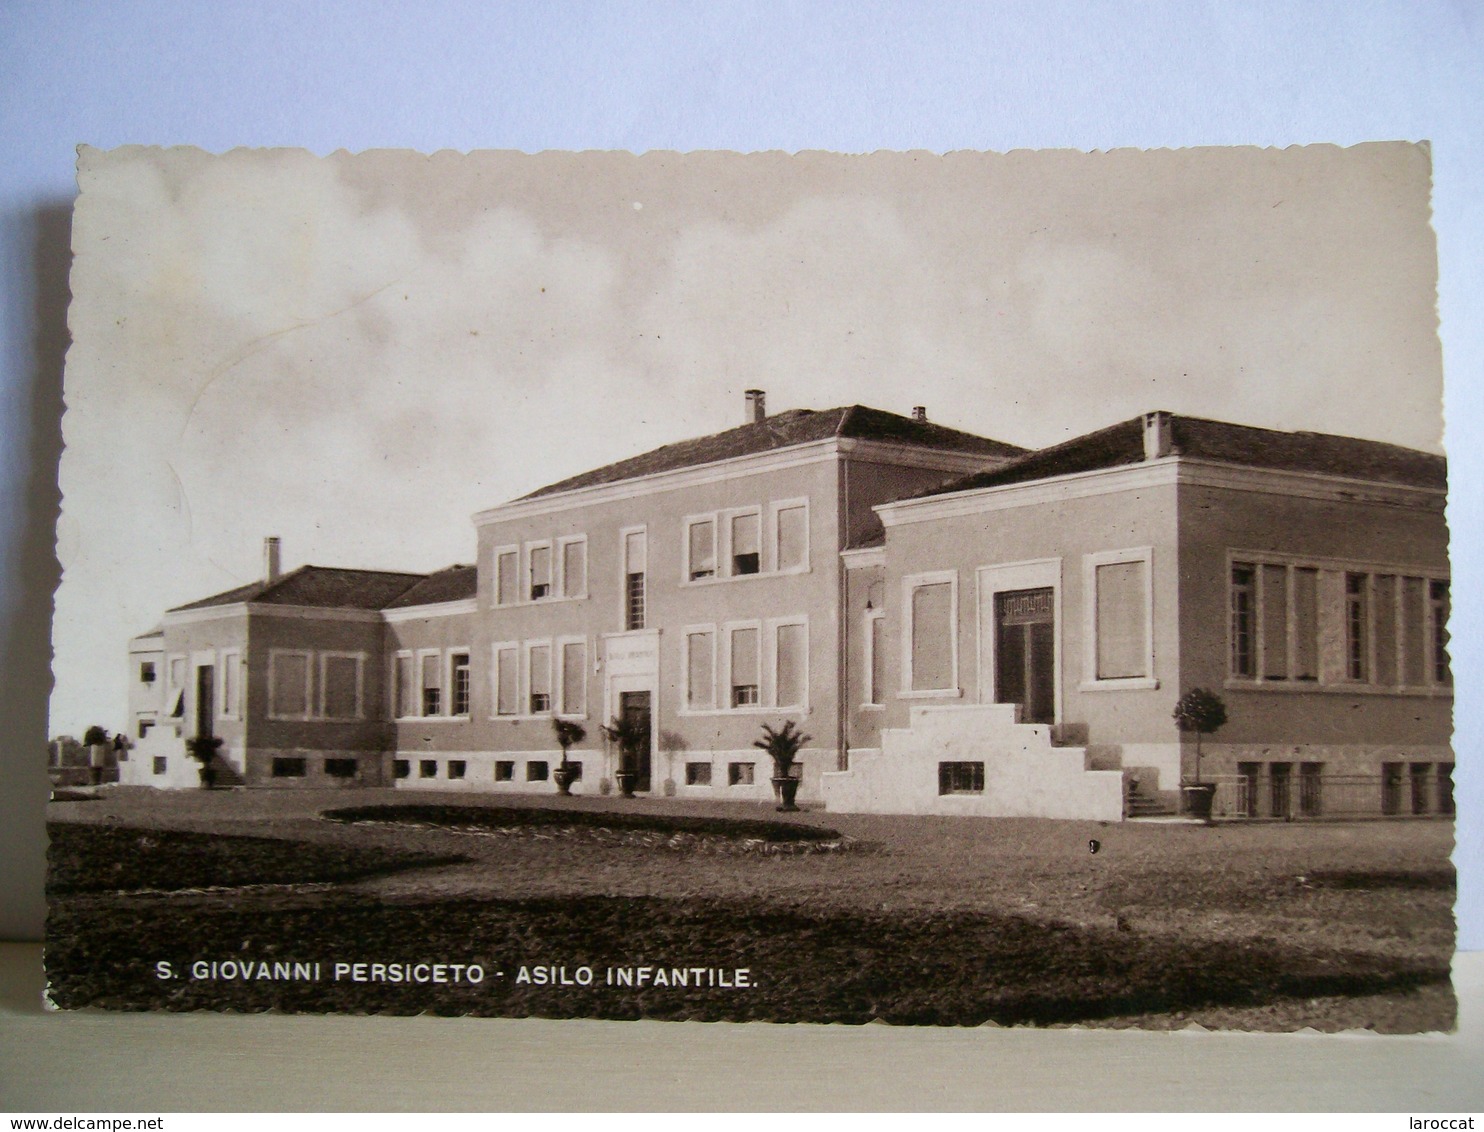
(505, 770)
(427, 768)
(537, 772)
(740, 774)
(456, 768)
(960, 778)
(402, 768)
(698, 774)
(289, 766)
(340, 768)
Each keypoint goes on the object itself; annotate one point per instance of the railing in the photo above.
(1303, 796)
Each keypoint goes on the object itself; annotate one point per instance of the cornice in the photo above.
(440, 609)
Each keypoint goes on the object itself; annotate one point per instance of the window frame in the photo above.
(559, 680)
(687, 577)
(774, 624)
(273, 681)
(729, 630)
(624, 602)
(1091, 681)
(230, 659)
(911, 583)
(559, 565)
(526, 650)
(512, 549)
(528, 579)
(771, 564)
(449, 680)
(728, 520)
(869, 620)
(325, 656)
(496, 668)
(418, 668)
(713, 705)
(394, 700)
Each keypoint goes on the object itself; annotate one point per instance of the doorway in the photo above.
(205, 702)
(634, 709)
(1025, 652)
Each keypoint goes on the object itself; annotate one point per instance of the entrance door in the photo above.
(205, 702)
(1025, 652)
(633, 707)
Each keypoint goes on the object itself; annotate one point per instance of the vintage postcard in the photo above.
(931, 589)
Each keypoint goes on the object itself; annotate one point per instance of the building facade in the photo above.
(960, 626)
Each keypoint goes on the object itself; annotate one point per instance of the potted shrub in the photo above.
(1202, 712)
(629, 736)
(203, 749)
(783, 746)
(568, 733)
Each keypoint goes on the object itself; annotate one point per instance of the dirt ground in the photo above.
(912, 919)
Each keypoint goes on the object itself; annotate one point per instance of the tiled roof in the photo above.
(454, 583)
(324, 587)
(1218, 441)
(785, 430)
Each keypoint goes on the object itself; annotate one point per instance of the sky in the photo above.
(357, 352)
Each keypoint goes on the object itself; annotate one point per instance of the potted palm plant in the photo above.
(568, 734)
(1201, 711)
(783, 746)
(629, 736)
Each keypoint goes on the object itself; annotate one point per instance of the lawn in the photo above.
(907, 920)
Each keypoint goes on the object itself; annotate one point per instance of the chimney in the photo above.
(1157, 440)
(757, 411)
(919, 412)
(270, 560)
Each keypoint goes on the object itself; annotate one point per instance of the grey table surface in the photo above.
(90, 1061)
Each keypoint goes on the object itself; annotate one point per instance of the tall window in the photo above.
(540, 678)
(1357, 627)
(341, 690)
(634, 554)
(791, 665)
(540, 567)
(231, 678)
(404, 693)
(746, 557)
(574, 567)
(1439, 608)
(875, 656)
(701, 549)
(507, 576)
(288, 676)
(1274, 621)
(574, 677)
(431, 683)
(1243, 631)
(744, 667)
(458, 669)
(793, 537)
(1121, 599)
(931, 636)
(507, 679)
(700, 669)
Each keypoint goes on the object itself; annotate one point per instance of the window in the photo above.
(230, 684)
(746, 557)
(932, 639)
(1311, 789)
(1120, 645)
(427, 768)
(458, 667)
(960, 778)
(700, 669)
(177, 672)
(507, 679)
(340, 768)
(340, 686)
(700, 546)
(456, 768)
(404, 694)
(791, 529)
(744, 667)
(288, 766)
(507, 580)
(539, 564)
(1445, 789)
(1243, 635)
(1304, 584)
(1439, 608)
(539, 661)
(147, 672)
(1282, 792)
(875, 657)
(1247, 777)
(574, 677)
(288, 684)
(432, 686)
(537, 771)
(160, 764)
(1391, 788)
(144, 727)
(791, 665)
(505, 770)
(401, 768)
(573, 553)
(1357, 627)
(698, 774)
(1420, 773)
(740, 774)
(634, 556)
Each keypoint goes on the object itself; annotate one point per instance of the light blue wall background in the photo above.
(464, 75)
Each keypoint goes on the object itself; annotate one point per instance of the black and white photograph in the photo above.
(929, 589)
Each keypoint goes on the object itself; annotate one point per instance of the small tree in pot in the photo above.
(783, 747)
(629, 736)
(1201, 711)
(568, 734)
(203, 749)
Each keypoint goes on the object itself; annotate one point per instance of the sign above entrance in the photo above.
(632, 654)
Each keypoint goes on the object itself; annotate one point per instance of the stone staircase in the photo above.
(1020, 771)
(1141, 800)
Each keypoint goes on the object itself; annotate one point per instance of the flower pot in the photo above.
(787, 788)
(1198, 798)
(564, 776)
(626, 780)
